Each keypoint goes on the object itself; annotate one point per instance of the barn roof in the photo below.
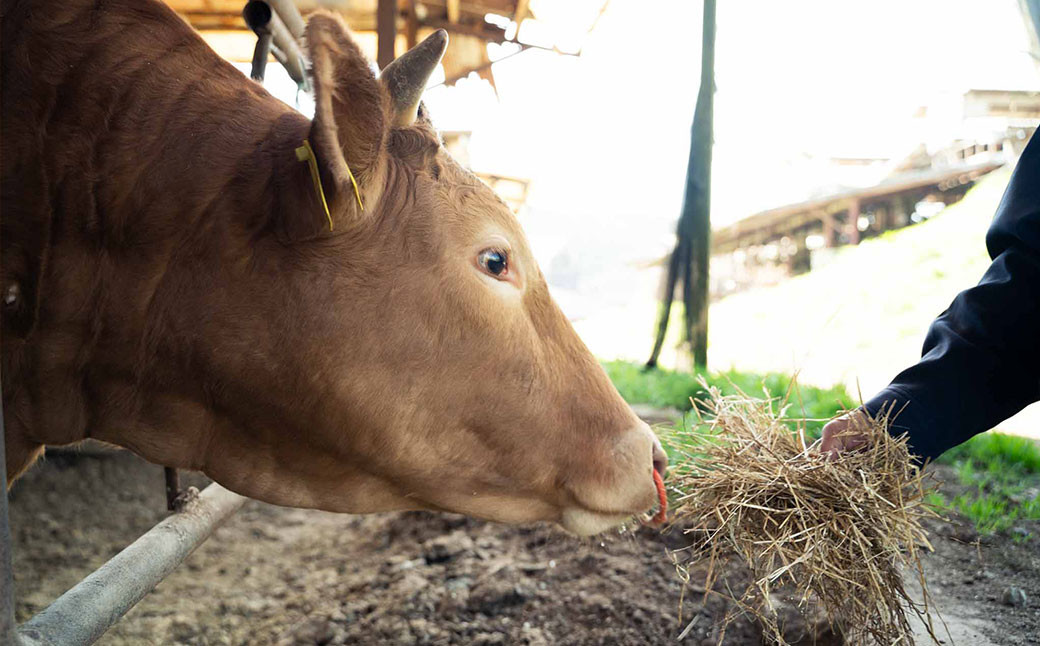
(471, 23)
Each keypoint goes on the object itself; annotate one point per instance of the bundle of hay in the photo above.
(839, 534)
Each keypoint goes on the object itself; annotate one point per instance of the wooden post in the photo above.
(852, 224)
(521, 11)
(830, 234)
(386, 31)
(695, 287)
(411, 26)
(7, 625)
(689, 261)
(881, 213)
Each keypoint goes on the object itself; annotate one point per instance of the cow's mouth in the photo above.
(587, 522)
(630, 498)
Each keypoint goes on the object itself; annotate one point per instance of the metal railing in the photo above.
(278, 27)
(92, 606)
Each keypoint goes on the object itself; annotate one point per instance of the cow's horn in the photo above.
(406, 77)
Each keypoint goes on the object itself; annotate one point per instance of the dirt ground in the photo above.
(273, 575)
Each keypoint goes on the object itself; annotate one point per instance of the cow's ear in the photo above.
(351, 117)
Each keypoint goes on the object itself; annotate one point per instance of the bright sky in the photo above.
(606, 134)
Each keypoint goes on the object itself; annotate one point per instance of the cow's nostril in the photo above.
(660, 458)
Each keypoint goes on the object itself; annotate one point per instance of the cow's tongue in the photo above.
(662, 500)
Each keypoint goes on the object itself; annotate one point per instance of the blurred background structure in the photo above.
(837, 127)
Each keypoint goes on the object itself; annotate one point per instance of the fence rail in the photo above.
(85, 612)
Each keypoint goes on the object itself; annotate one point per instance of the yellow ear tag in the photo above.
(306, 154)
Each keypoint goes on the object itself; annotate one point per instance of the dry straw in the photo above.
(837, 534)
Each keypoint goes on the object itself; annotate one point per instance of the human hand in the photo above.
(845, 433)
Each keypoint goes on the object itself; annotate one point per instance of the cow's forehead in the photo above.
(473, 201)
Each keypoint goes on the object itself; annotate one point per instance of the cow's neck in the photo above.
(153, 169)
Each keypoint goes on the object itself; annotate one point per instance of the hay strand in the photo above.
(838, 533)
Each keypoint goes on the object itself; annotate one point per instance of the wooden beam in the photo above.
(411, 25)
(215, 21)
(487, 32)
(386, 30)
(522, 7)
(471, 9)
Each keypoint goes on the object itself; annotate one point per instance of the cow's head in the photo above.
(424, 362)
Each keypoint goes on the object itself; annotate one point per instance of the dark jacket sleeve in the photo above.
(981, 358)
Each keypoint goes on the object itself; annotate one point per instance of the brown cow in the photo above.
(173, 285)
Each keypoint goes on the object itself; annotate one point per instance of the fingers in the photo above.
(845, 433)
(831, 432)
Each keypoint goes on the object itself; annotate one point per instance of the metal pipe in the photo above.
(84, 613)
(7, 634)
(257, 13)
(262, 19)
(290, 15)
(173, 483)
(260, 54)
(290, 47)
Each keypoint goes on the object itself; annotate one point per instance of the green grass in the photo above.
(1000, 472)
(667, 388)
(991, 512)
(998, 450)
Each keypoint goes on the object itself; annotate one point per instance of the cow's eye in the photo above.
(494, 262)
